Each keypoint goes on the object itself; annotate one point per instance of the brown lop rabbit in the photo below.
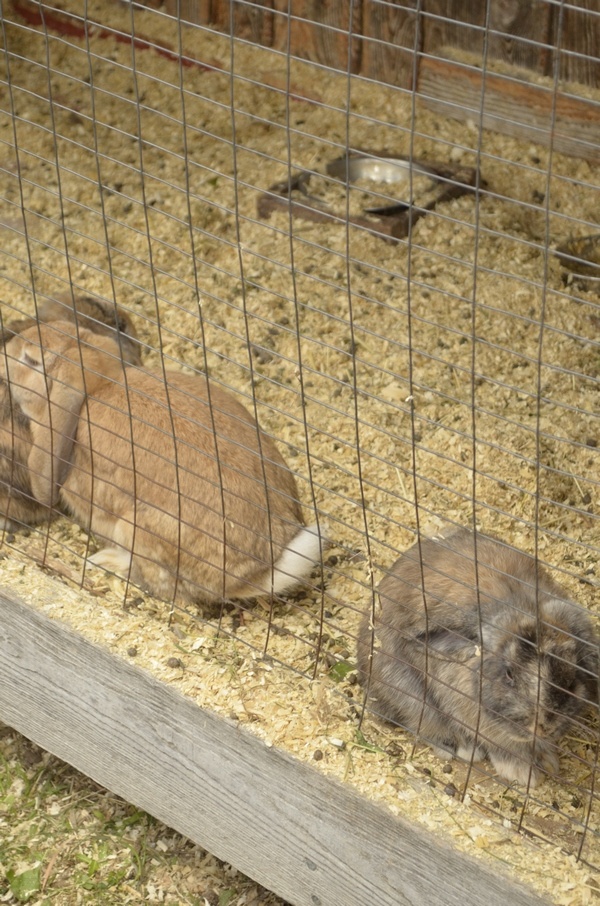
(192, 498)
(480, 652)
(18, 506)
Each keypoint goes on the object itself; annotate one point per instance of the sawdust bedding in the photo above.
(351, 347)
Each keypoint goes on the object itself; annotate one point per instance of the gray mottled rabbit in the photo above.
(191, 497)
(480, 652)
(18, 506)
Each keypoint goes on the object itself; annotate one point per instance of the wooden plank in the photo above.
(514, 31)
(319, 30)
(308, 838)
(390, 41)
(577, 35)
(453, 23)
(519, 32)
(196, 11)
(252, 19)
(385, 33)
(522, 109)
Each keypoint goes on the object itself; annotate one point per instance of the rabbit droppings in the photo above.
(479, 652)
(193, 499)
(18, 506)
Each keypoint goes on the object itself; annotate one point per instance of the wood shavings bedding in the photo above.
(386, 332)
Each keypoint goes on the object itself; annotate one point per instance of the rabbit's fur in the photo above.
(209, 508)
(490, 661)
(18, 506)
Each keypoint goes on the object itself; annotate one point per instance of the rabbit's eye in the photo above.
(32, 361)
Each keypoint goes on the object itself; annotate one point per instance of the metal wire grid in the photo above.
(180, 280)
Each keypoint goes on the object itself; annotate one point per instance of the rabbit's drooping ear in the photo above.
(53, 436)
(70, 364)
(52, 402)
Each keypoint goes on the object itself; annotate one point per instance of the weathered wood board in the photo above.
(525, 110)
(514, 31)
(388, 38)
(390, 41)
(577, 36)
(413, 46)
(324, 31)
(309, 839)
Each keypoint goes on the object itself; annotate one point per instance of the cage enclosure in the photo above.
(343, 264)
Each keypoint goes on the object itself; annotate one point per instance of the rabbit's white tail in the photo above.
(296, 562)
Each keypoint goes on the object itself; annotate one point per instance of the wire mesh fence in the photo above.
(404, 302)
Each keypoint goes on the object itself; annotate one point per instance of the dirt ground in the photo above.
(448, 377)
